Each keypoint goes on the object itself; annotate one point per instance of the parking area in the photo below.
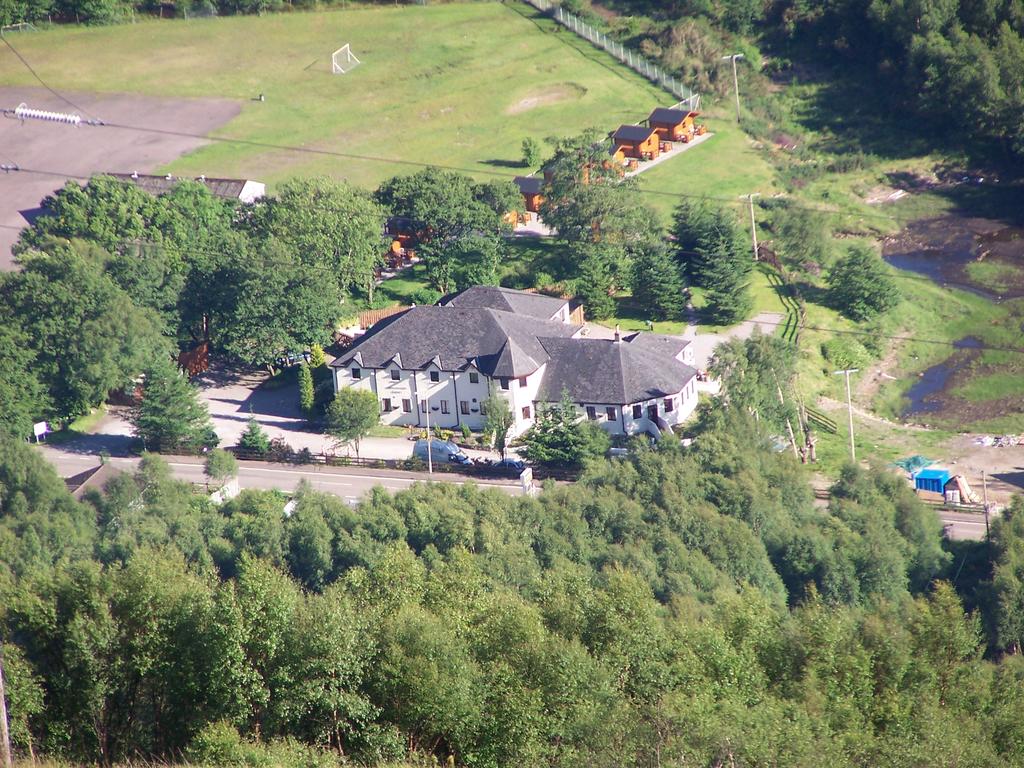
(51, 153)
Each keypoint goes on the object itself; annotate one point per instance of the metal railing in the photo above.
(627, 56)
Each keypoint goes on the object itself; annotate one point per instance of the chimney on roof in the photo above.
(618, 334)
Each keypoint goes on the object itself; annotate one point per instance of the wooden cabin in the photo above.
(673, 124)
(531, 188)
(637, 141)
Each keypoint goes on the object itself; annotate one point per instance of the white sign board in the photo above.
(526, 478)
(39, 429)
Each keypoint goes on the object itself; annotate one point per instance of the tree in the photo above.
(254, 439)
(317, 358)
(473, 260)
(171, 417)
(752, 372)
(307, 396)
(559, 439)
(351, 416)
(713, 254)
(444, 208)
(657, 285)
(531, 152)
(277, 306)
(498, 419)
(329, 225)
(220, 466)
(599, 265)
(502, 197)
(23, 399)
(859, 285)
(88, 336)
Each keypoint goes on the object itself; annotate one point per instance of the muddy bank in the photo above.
(945, 248)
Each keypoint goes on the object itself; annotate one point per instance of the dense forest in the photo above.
(680, 606)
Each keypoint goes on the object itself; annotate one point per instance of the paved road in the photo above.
(349, 483)
(964, 526)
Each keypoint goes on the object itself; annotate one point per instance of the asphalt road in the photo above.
(963, 526)
(349, 483)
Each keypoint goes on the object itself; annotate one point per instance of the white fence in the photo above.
(631, 59)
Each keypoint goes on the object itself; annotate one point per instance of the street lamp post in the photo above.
(735, 80)
(430, 440)
(753, 224)
(849, 406)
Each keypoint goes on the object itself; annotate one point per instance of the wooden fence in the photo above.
(482, 471)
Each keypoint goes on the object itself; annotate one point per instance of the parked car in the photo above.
(440, 450)
(510, 466)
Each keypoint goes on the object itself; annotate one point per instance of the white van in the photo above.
(441, 451)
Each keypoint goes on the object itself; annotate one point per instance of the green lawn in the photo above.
(459, 85)
(724, 167)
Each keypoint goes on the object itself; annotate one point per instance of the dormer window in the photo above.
(395, 375)
(435, 376)
(357, 373)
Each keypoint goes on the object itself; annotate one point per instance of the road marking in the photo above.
(378, 478)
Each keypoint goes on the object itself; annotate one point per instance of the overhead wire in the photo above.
(42, 82)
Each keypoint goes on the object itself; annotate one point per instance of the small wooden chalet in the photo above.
(637, 141)
(673, 124)
(531, 188)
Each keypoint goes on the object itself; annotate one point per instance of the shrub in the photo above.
(254, 439)
(845, 353)
(424, 296)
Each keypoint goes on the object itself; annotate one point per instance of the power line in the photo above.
(42, 82)
(768, 323)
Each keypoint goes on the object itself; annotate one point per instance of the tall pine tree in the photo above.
(657, 284)
(171, 416)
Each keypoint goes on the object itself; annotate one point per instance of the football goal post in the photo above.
(343, 60)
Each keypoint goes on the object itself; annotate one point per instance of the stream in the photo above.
(941, 250)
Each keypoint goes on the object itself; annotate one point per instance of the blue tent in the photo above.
(933, 480)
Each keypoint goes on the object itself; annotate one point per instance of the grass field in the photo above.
(459, 85)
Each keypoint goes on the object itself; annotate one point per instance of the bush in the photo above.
(280, 451)
(844, 352)
(317, 358)
(466, 433)
(254, 439)
(424, 297)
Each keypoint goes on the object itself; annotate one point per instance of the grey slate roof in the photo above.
(604, 371)
(666, 346)
(498, 343)
(632, 132)
(158, 185)
(506, 300)
(530, 185)
(671, 116)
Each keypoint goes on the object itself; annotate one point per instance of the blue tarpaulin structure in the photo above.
(933, 480)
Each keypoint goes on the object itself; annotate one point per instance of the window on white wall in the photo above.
(395, 375)
(435, 376)
(357, 373)
(406, 406)
(670, 403)
(638, 411)
(385, 404)
(526, 412)
(444, 406)
(464, 407)
(474, 378)
(610, 413)
(591, 412)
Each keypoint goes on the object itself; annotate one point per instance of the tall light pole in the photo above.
(753, 224)
(430, 440)
(849, 406)
(735, 80)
